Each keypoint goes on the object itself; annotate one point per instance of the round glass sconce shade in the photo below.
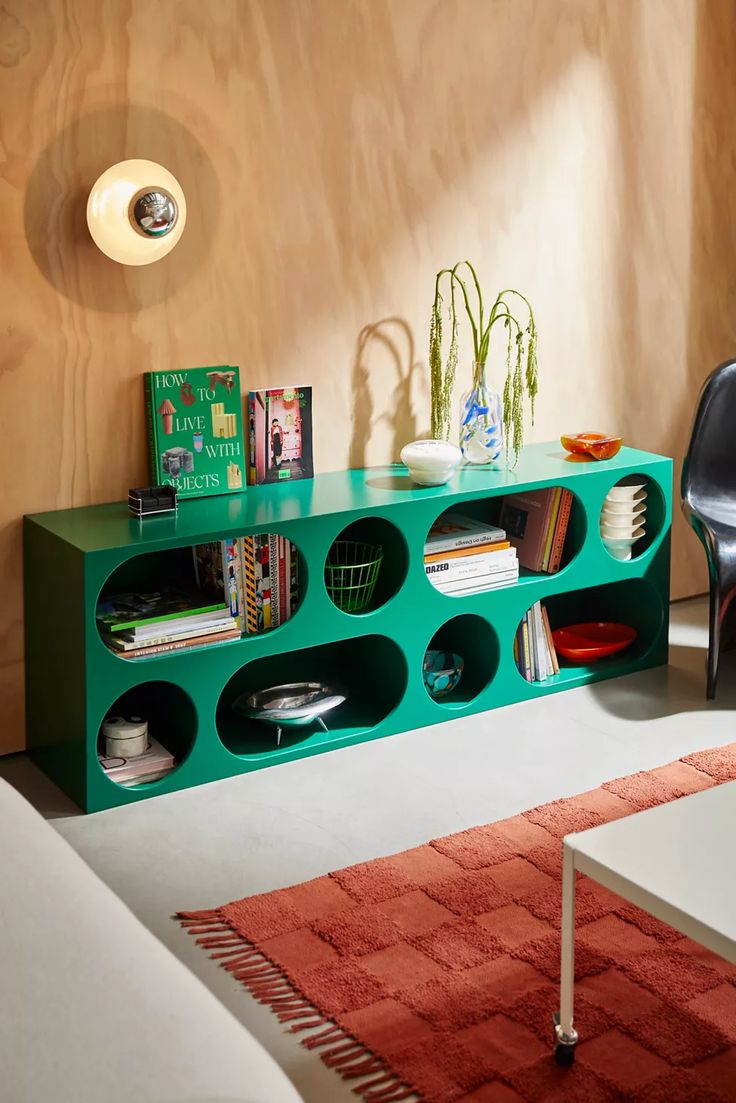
(136, 212)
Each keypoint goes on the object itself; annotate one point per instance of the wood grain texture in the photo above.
(334, 154)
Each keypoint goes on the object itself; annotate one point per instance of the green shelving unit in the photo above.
(72, 556)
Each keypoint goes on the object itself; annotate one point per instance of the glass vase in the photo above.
(481, 421)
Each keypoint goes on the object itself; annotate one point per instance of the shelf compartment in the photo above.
(370, 671)
(475, 641)
(488, 511)
(654, 515)
(374, 532)
(175, 568)
(171, 716)
(632, 601)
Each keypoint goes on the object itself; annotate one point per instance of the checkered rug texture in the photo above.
(433, 974)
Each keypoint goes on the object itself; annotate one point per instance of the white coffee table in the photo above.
(676, 861)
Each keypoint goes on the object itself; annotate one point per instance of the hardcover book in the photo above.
(195, 430)
(526, 518)
(280, 435)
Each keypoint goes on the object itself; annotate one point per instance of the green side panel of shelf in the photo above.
(74, 681)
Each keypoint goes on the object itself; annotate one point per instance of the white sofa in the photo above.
(93, 1008)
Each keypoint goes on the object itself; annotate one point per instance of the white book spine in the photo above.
(540, 644)
(471, 566)
(477, 585)
(457, 540)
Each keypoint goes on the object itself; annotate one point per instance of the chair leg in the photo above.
(714, 638)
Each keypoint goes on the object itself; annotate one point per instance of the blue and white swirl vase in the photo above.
(481, 421)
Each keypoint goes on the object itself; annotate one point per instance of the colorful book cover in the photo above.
(280, 435)
(525, 517)
(273, 571)
(248, 567)
(217, 569)
(120, 612)
(195, 431)
(263, 582)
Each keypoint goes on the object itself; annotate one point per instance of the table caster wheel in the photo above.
(564, 1044)
(565, 1054)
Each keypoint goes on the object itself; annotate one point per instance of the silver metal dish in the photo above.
(290, 706)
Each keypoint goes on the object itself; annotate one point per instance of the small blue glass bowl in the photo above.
(442, 671)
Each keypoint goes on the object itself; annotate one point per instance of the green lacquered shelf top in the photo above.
(94, 528)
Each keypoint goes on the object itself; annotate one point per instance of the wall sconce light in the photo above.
(136, 212)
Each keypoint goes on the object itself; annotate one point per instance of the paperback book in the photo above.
(280, 435)
(195, 430)
(534, 649)
(465, 556)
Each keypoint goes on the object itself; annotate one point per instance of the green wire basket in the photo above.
(351, 573)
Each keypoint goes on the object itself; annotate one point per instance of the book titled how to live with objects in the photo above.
(195, 430)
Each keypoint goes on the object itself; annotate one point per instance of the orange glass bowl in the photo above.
(600, 446)
(586, 643)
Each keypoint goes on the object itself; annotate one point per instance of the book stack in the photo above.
(155, 762)
(534, 649)
(270, 581)
(536, 523)
(465, 556)
(139, 625)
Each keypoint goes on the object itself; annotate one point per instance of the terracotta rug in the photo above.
(433, 973)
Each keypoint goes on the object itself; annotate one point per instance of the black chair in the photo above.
(709, 497)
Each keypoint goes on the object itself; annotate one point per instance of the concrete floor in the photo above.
(274, 828)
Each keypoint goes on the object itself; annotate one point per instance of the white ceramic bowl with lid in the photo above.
(431, 462)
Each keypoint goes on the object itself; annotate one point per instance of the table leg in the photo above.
(566, 1037)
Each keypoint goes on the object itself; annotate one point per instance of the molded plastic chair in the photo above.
(709, 497)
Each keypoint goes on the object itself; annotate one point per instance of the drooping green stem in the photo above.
(521, 345)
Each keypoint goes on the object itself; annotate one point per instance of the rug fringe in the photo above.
(269, 985)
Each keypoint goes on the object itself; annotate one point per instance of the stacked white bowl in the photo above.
(623, 518)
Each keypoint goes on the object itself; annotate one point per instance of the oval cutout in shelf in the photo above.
(260, 578)
(545, 526)
(473, 640)
(632, 517)
(366, 565)
(172, 729)
(631, 602)
(369, 671)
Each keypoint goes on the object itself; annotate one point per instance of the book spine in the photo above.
(526, 648)
(283, 589)
(116, 643)
(287, 579)
(231, 567)
(273, 572)
(550, 530)
(150, 403)
(563, 519)
(477, 585)
(294, 592)
(248, 559)
(470, 567)
(533, 645)
(179, 645)
(436, 544)
(481, 549)
(550, 642)
(251, 438)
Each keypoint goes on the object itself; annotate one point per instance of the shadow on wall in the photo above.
(56, 203)
(394, 335)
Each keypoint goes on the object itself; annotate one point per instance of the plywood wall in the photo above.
(335, 154)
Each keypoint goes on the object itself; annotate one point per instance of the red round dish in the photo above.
(584, 643)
